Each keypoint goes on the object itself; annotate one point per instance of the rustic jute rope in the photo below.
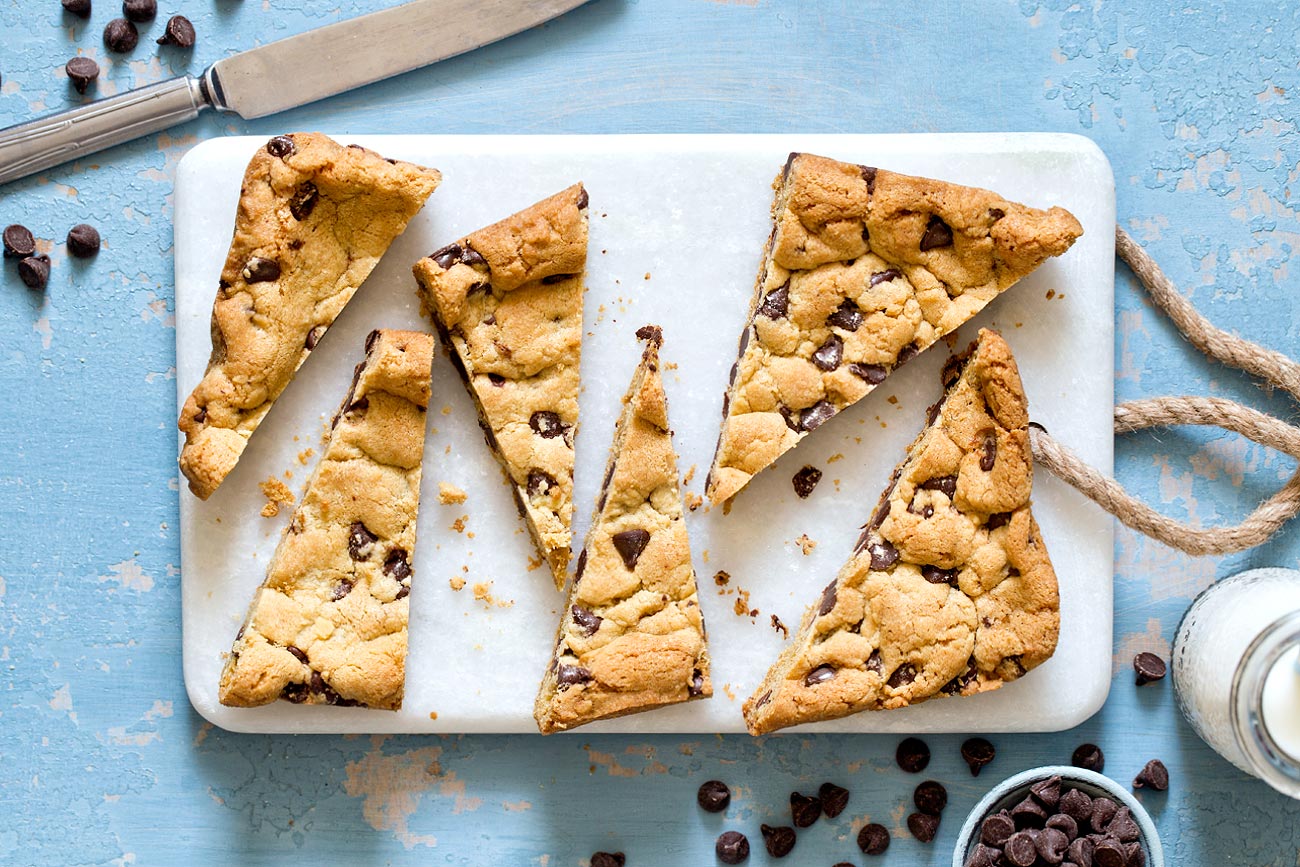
(1274, 368)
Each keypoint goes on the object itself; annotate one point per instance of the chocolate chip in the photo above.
(261, 270)
(281, 146)
(884, 276)
(583, 199)
(1020, 850)
(874, 664)
(83, 240)
(1122, 826)
(695, 688)
(1103, 811)
(630, 544)
(829, 355)
(80, 8)
(608, 859)
(997, 829)
(18, 242)
(447, 256)
(804, 809)
(780, 841)
(873, 839)
(1154, 776)
(359, 541)
(930, 797)
(313, 337)
(1029, 814)
(961, 681)
(1109, 853)
(902, 676)
(396, 565)
(912, 755)
(120, 35)
(883, 555)
(1051, 844)
(539, 483)
(81, 72)
(869, 175)
(713, 796)
(294, 692)
(983, 856)
(1047, 792)
(582, 565)
(977, 752)
(834, 799)
(943, 484)
(140, 10)
(1080, 852)
(589, 622)
(303, 200)
(990, 456)
(937, 234)
(1089, 757)
(732, 847)
(763, 699)
(935, 575)
(777, 303)
(805, 481)
(872, 373)
(546, 424)
(1149, 668)
(179, 32)
(570, 675)
(828, 600)
(1076, 804)
(552, 279)
(34, 271)
(1136, 855)
(341, 589)
(998, 519)
(847, 316)
(297, 653)
(816, 415)
(907, 353)
(923, 826)
(820, 674)
(1064, 823)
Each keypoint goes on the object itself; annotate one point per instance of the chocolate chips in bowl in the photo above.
(1058, 815)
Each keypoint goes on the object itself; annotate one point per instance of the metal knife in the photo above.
(278, 76)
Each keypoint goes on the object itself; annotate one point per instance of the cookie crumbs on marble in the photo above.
(450, 495)
(277, 493)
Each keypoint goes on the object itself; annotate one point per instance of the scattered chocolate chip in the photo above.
(179, 32)
(834, 799)
(1154, 776)
(261, 270)
(1149, 668)
(589, 622)
(570, 675)
(902, 676)
(1020, 850)
(83, 240)
(80, 8)
(303, 201)
(930, 797)
(872, 373)
(732, 847)
(883, 555)
(281, 146)
(18, 242)
(1089, 757)
(997, 829)
(608, 859)
(937, 234)
(780, 841)
(713, 796)
(776, 304)
(820, 674)
(630, 544)
(341, 589)
(977, 752)
(923, 826)
(943, 484)
(1047, 792)
(1029, 814)
(990, 456)
(816, 415)
(912, 755)
(873, 839)
(1077, 805)
(81, 72)
(359, 541)
(1065, 824)
(847, 316)
(1109, 853)
(983, 856)
(120, 36)
(829, 355)
(140, 11)
(935, 575)
(546, 424)
(804, 809)
(805, 481)
(35, 271)
(1103, 811)
(828, 600)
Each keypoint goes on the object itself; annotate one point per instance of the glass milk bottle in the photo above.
(1236, 669)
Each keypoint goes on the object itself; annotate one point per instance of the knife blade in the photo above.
(280, 75)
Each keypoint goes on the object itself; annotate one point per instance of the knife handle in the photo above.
(56, 138)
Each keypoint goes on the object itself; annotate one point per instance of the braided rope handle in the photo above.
(1273, 367)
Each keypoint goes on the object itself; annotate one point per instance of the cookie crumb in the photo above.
(693, 500)
(446, 409)
(276, 493)
(690, 474)
(1051, 293)
(305, 455)
(449, 494)
(722, 578)
(457, 583)
(838, 456)
(893, 398)
(741, 606)
(647, 275)
(805, 544)
(534, 563)
(483, 593)
(459, 524)
(731, 694)
(433, 714)
(780, 627)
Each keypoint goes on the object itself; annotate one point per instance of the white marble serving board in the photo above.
(677, 226)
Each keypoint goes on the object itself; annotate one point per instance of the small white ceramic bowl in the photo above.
(1013, 790)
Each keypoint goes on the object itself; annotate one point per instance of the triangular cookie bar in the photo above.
(507, 301)
(864, 269)
(314, 217)
(950, 590)
(328, 626)
(632, 635)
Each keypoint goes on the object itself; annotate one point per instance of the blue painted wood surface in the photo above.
(103, 762)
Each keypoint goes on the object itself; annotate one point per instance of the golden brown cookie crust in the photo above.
(314, 217)
(950, 590)
(865, 268)
(507, 302)
(328, 626)
(632, 634)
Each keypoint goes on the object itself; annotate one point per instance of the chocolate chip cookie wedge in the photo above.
(864, 269)
(632, 636)
(507, 302)
(314, 217)
(950, 590)
(328, 626)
